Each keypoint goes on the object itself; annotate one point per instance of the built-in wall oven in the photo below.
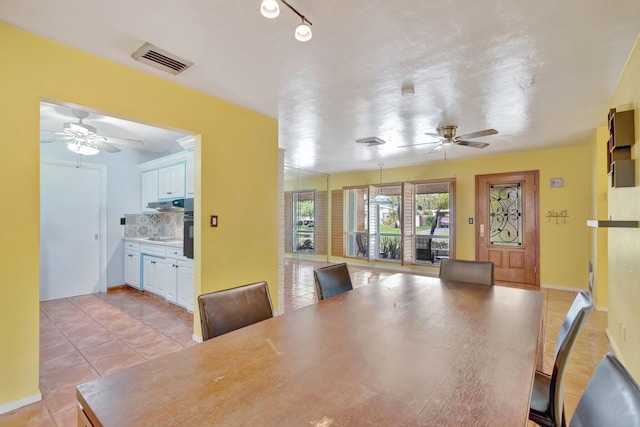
(188, 228)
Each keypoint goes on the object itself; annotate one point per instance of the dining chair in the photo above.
(479, 272)
(362, 247)
(547, 402)
(612, 397)
(231, 309)
(332, 280)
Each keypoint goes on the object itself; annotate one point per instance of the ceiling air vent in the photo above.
(370, 140)
(160, 59)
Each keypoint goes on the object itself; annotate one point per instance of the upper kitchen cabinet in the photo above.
(189, 174)
(166, 178)
(171, 181)
(149, 190)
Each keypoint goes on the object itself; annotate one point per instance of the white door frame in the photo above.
(102, 169)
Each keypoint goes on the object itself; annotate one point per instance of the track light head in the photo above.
(303, 31)
(269, 8)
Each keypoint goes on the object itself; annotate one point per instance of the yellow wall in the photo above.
(599, 210)
(238, 175)
(624, 243)
(564, 248)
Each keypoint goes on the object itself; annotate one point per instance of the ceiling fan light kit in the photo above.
(270, 9)
(82, 146)
(84, 139)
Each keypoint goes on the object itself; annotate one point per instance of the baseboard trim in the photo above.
(196, 338)
(8, 407)
(561, 288)
(613, 345)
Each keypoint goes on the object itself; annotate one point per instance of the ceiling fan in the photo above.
(84, 139)
(447, 136)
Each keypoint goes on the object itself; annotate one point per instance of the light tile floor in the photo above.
(83, 338)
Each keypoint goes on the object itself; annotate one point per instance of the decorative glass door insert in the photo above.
(505, 212)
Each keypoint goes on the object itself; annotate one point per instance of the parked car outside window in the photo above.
(444, 221)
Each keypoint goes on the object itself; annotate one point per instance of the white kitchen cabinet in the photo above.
(171, 278)
(132, 268)
(189, 174)
(149, 189)
(171, 181)
(185, 284)
(163, 276)
(152, 269)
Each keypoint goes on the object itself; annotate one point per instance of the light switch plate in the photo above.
(555, 182)
(214, 220)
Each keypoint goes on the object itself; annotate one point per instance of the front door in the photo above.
(507, 225)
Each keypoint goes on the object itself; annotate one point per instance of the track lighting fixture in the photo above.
(271, 9)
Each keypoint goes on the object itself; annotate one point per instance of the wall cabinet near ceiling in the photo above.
(149, 190)
(171, 182)
(166, 178)
(189, 174)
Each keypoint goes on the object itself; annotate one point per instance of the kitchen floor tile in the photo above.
(117, 362)
(68, 418)
(33, 415)
(61, 399)
(63, 361)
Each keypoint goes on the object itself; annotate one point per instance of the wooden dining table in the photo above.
(407, 350)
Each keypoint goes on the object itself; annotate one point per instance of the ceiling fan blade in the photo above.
(478, 134)
(105, 146)
(435, 135)
(415, 145)
(474, 144)
(436, 149)
(51, 139)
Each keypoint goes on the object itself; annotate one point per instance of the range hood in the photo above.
(167, 206)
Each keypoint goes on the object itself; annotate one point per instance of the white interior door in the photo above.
(70, 230)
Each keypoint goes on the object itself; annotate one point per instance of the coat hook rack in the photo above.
(564, 214)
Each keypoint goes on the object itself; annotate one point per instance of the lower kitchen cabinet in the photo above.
(132, 268)
(172, 281)
(185, 284)
(153, 270)
(162, 271)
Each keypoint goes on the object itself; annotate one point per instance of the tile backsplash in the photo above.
(154, 225)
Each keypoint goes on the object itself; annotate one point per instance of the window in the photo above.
(356, 222)
(303, 222)
(417, 227)
(433, 225)
(387, 217)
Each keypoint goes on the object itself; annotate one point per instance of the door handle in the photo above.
(95, 236)
(481, 230)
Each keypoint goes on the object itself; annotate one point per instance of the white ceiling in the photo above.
(54, 116)
(540, 72)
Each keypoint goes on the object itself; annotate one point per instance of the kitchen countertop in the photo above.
(171, 243)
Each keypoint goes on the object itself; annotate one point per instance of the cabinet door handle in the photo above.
(153, 262)
(130, 256)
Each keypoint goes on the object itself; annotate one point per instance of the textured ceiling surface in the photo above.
(541, 73)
